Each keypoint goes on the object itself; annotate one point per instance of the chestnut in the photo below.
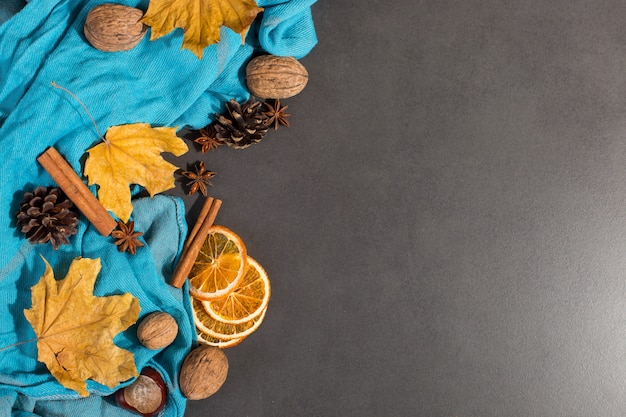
(145, 396)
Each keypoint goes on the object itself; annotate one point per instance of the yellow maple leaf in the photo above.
(131, 154)
(200, 19)
(75, 329)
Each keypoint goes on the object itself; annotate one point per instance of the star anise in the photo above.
(207, 139)
(275, 114)
(199, 179)
(126, 238)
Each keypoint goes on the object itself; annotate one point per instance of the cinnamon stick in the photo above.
(77, 191)
(204, 211)
(194, 242)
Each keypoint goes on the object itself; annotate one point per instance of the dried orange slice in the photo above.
(245, 302)
(220, 330)
(219, 266)
(205, 339)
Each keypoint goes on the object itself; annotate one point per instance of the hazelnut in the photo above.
(157, 330)
(271, 76)
(203, 372)
(113, 27)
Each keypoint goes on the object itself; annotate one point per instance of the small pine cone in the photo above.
(45, 216)
(244, 124)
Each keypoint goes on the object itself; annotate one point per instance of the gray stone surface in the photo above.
(445, 223)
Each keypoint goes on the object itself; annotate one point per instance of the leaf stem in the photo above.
(19, 343)
(55, 85)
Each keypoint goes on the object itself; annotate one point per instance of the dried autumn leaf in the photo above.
(131, 154)
(75, 329)
(200, 19)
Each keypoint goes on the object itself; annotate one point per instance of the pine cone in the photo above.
(45, 216)
(244, 124)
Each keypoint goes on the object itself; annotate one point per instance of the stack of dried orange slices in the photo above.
(229, 290)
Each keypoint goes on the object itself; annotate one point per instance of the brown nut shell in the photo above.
(157, 330)
(114, 27)
(203, 372)
(271, 76)
(146, 396)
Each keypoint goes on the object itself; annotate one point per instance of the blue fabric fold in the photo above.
(156, 83)
(9, 7)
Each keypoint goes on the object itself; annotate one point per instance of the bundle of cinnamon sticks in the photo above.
(194, 241)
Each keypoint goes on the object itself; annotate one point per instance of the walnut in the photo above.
(270, 76)
(203, 372)
(157, 330)
(114, 27)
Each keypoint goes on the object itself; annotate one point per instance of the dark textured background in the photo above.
(444, 223)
